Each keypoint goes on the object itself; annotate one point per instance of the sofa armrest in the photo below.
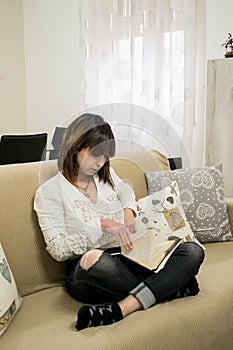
(229, 203)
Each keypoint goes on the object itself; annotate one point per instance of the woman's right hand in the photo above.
(120, 231)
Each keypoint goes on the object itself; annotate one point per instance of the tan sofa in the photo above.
(47, 316)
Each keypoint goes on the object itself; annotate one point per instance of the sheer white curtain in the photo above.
(143, 53)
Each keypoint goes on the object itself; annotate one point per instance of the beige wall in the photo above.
(12, 68)
(53, 25)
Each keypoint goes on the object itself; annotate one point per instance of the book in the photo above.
(148, 252)
(161, 226)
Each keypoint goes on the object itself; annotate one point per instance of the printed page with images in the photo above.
(148, 252)
(161, 226)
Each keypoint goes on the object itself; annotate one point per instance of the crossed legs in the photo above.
(100, 272)
(89, 316)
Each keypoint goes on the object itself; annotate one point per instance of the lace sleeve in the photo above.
(62, 247)
(125, 192)
(60, 243)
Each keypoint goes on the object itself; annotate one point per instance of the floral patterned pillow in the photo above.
(202, 197)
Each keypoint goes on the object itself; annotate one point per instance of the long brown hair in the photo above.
(86, 131)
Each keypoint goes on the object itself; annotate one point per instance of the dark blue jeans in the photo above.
(113, 277)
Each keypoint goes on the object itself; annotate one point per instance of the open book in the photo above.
(147, 252)
(161, 226)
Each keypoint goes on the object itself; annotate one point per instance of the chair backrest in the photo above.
(22, 148)
(175, 163)
(56, 141)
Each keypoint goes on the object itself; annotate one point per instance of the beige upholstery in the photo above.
(47, 316)
(20, 235)
(131, 168)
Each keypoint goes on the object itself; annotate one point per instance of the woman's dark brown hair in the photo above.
(86, 131)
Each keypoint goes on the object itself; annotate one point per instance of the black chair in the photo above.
(56, 141)
(22, 148)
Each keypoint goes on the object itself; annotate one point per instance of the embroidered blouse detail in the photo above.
(71, 223)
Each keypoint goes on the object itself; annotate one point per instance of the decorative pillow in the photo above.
(202, 197)
(163, 212)
(10, 300)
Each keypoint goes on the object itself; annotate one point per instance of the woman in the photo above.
(84, 212)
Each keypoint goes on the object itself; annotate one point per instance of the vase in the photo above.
(229, 54)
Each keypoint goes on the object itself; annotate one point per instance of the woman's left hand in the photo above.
(129, 220)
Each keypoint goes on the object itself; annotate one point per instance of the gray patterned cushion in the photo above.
(202, 196)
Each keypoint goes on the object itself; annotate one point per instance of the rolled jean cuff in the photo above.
(144, 295)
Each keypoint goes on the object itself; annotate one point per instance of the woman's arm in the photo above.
(119, 230)
(125, 193)
(61, 244)
(129, 219)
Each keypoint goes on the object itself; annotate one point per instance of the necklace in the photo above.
(84, 189)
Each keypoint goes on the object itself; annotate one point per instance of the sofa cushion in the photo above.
(47, 318)
(131, 167)
(10, 299)
(229, 204)
(34, 269)
(202, 196)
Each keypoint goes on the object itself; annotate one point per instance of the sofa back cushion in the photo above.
(131, 167)
(20, 235)
(32, 266)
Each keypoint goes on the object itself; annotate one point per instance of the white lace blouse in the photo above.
(71, 223)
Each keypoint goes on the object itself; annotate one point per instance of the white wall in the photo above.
(51, 50)
(219, 21)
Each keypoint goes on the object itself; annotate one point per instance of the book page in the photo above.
(157, 235)
(147, 252)
(161, 225)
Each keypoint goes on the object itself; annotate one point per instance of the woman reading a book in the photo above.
(82, 211)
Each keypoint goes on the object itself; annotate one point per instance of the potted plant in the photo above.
(228, 45)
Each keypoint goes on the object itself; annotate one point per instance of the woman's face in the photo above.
(89, 164)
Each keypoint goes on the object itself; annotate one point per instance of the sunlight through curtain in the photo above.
(141, 52)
